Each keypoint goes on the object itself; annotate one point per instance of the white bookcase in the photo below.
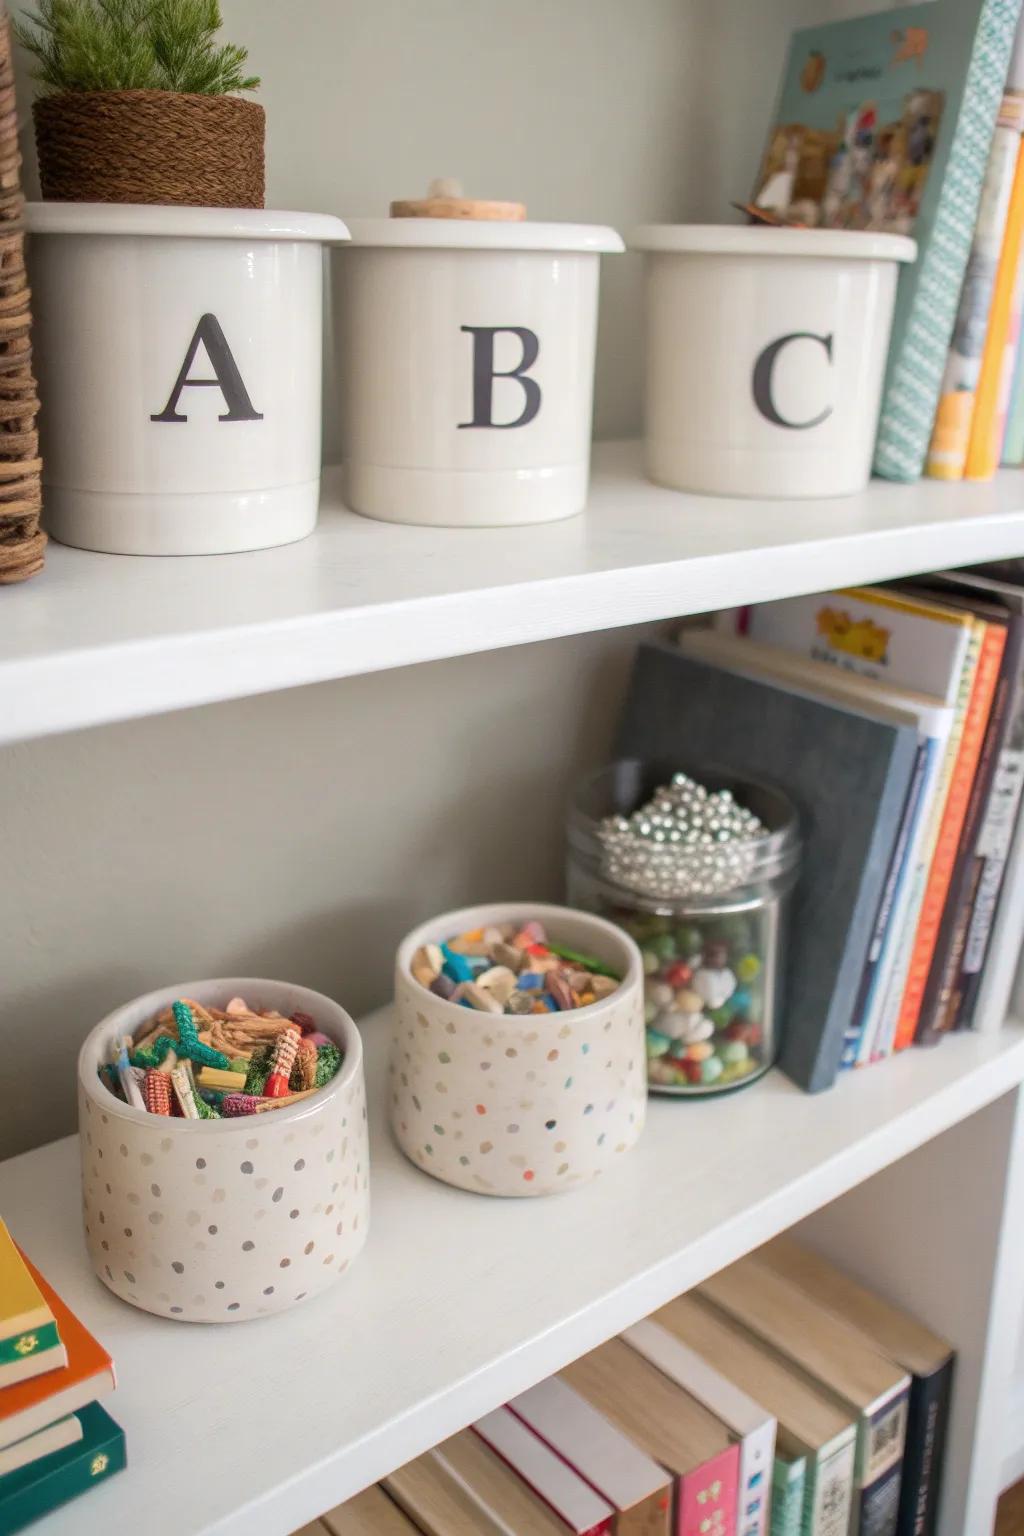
(275, 763)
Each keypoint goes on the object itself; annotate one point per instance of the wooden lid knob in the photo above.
(444, 200)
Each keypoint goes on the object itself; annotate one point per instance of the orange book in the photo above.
(993, 641)
(89, 1374)
(984, 448)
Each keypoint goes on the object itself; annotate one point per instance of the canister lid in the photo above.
(445, 199)
(753, 240)
(483, 235)
(192, 223)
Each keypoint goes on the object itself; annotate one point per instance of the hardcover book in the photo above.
(863, 1380)
(437, 1501)
(53, 1438)
(89, 1374)
(750, 1425)
(670, 1426)
(814, 1435)
(551, 1479)
(501, 1492)
(370, 1513)
(30, 1344)
(927, 1357)
(45, 1485)
(885, 122)
(848, 774)
(788, 1477)
(636, 1487)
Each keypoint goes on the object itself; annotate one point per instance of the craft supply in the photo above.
(173, 1068)
(512, 969)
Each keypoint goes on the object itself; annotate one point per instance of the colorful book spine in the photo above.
(1009, 362)
(546, 1474)
(788, 1477)
(1013, 438)
(706, 1498)
(45, 1485)
(829, 1491)
(993, 640)
(983, 452)
(951, 435)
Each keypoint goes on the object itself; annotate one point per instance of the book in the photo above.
(750, 1425)
(954, 416)
(847, 773)
(438, 1501)
(928, 1358)
(30, 1344)
(670, 1426)
(31, 1405)
(44, 1485)
(633, 1483)
(814, 1435)
(499, 1491)
(885, 122)
(54, 1437)
(868, 1385)
(551, 1479)
(933, 721)
(370, 1513)
(942, 995)
(788, 1476)
(908, 643)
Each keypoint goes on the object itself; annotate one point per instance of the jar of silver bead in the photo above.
(698, 869)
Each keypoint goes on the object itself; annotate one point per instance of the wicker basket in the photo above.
(150, 147)
(21, 540)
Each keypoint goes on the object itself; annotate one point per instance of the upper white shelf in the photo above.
(98, 638)
(459, 1302)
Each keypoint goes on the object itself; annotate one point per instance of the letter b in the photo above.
(484, 375)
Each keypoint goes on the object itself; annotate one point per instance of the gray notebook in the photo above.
(848, 774)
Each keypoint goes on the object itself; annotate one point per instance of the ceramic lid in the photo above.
(192, 223)
(484, 235)
(757, 239)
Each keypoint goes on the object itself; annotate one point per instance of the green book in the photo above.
(885, 123)
(788, 1476)
(46, 1484)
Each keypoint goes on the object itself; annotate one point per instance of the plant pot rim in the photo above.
(160, 219)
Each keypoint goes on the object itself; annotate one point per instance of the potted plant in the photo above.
(137, 104)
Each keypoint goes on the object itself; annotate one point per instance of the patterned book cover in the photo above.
(706, 1500)
(788, 1477)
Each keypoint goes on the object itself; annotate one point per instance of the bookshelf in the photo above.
(458, 1303)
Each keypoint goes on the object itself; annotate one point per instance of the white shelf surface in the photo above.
(458, 1301)
(98, 638)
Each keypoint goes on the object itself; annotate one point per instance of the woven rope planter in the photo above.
(149, 147)
(21, 540)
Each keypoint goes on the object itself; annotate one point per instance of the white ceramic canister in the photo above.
(466, 368)
(221, 1220)
(766, 352)
(527, 1105)
(179, 355)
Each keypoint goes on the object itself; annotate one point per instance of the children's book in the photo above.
(636, 1487)
(927, 1357)
(751, 1426)
(370, 1513)
(89, 1373)
(670, 1426)
(885, 122)
(868, 1385)
(45, 1485)
(552, 1480)
(815, 1437)
(30, 1343)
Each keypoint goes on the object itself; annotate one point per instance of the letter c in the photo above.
(764, 369)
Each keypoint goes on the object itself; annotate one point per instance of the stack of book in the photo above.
(56, 1440)
(781, 1397)
(893, 718)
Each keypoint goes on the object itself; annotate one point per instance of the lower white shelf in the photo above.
(459, 1302)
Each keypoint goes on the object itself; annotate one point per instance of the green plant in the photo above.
(132, 45)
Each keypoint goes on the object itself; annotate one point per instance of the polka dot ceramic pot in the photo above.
(216, 1221)
(506, 1105)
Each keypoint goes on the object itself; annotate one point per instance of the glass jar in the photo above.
(709, 921)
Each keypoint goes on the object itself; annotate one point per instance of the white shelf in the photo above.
(459, 1302)
(99, 638)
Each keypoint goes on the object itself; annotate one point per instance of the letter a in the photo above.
(226, 376)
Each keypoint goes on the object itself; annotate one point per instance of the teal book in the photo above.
(46, 1484)
(788, 1477)
(885, 123)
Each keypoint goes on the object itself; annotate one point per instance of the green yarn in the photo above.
(189, 1043)
(153, 1055)
(206, 1111)
(328, 1061)
(259, 1070)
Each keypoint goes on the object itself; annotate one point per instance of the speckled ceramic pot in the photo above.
(505, 1105)
(216, 1221)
